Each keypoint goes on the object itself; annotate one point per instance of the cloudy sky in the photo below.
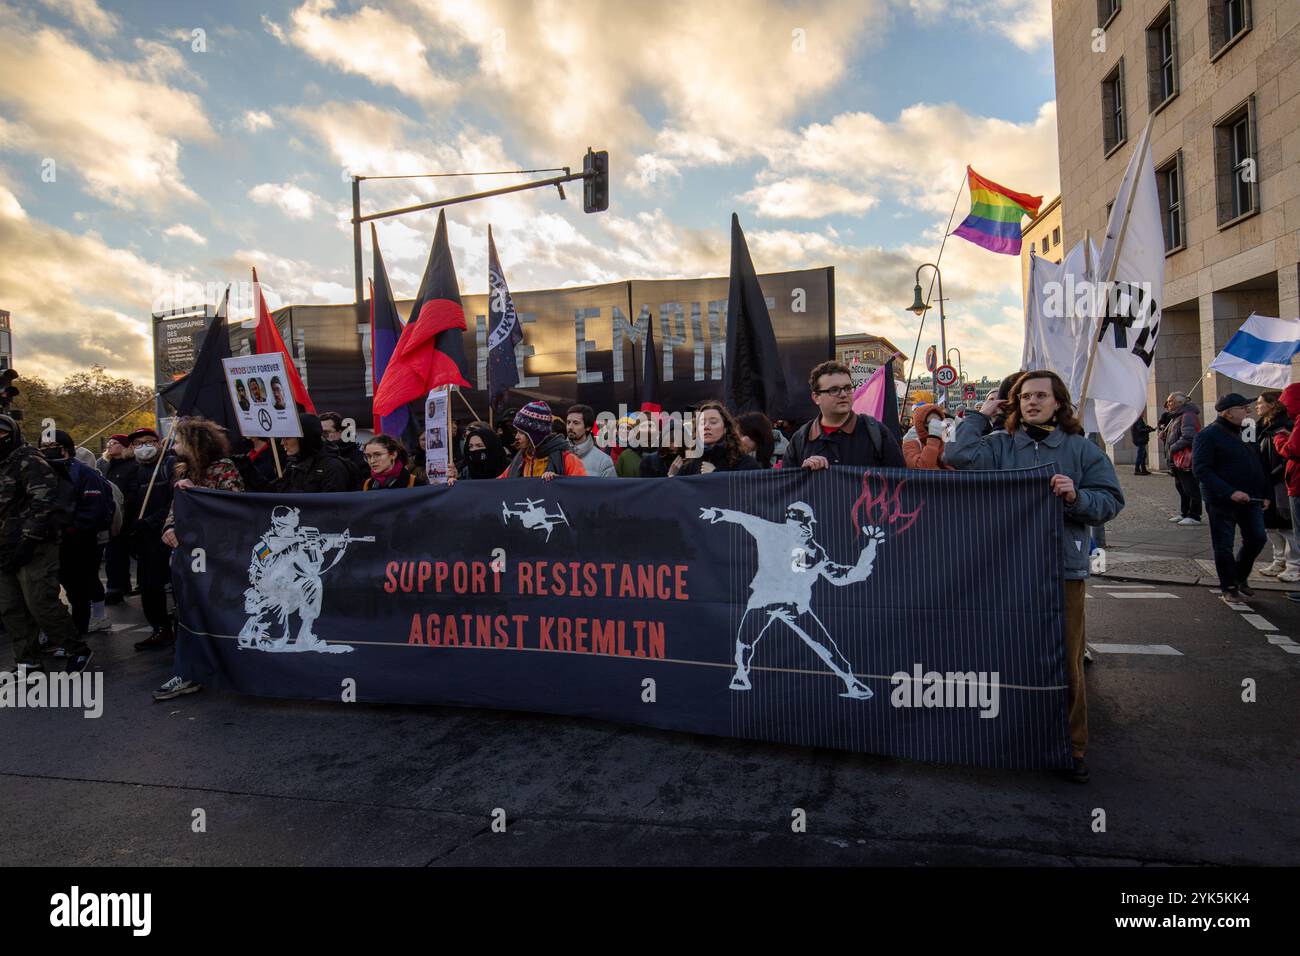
(147, 145)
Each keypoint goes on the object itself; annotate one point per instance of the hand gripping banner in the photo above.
(917, 614)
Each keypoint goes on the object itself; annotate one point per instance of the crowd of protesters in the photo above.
(60, 520)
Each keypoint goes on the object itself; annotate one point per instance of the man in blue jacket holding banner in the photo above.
(1041, 428)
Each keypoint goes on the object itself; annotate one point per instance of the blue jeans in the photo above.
(1225, 518)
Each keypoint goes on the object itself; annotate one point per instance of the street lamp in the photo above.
(918, 308)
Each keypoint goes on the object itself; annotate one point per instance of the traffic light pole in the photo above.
(357, 219)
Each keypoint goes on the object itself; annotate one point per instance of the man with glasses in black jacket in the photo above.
(839, 435)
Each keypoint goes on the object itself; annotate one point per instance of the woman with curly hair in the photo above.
(717, 432)
(202, 461)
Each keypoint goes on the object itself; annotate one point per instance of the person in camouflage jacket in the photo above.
(34, 510)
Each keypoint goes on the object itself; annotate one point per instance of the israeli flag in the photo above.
(1260, 352)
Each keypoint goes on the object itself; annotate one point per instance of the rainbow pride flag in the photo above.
(995, 211)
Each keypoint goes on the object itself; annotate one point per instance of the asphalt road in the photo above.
(1185, 771)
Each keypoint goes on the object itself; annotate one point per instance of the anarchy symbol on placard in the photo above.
(264, 419)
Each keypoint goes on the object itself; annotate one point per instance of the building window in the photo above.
(1169, 181)
(1114, 131)
(1229, 21)
(1056, 236)
(1235, 166)
(1162, 60)
(1106, 10)
(1047, 242)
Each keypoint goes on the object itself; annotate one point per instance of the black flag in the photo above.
(753, 378)
(889, 414)
(650, 371)
(203, 391)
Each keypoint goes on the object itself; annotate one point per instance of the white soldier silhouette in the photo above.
(285, 574)
(789, 564)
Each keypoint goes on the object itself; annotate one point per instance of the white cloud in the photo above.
(294, 201)
(919, 158)
(86, 14)
(75, 300)
(118, 125)
(1026, 23)
(803, 198)
(274, 29)
(182, 231)
(254, 120)
(731, 70)
(372, 43)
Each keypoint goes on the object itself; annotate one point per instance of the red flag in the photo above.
(269, 341)
(430, 352)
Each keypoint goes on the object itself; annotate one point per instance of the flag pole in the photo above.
(456, 391)
(151, 398)
(1143, 148)
(158, 464)
(275, 454)
(1092, 346)
(911, 370)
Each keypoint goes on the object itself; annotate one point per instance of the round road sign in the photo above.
(945, 375)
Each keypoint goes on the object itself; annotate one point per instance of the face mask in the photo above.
(479, 457)
(146, 452)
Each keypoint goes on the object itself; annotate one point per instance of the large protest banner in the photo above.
(581, 344)
(916, 614)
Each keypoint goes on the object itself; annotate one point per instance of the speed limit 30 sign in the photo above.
(945, 375)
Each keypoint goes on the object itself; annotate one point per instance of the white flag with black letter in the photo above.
(1058, 316)
(1129, 301)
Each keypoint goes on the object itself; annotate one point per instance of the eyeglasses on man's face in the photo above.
(836, 390)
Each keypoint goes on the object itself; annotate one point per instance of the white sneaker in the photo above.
(99, 624)
(1175, 519)
(1189, 521)
(1273, 570)
(1290, 575)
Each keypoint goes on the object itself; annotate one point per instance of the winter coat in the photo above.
(552, 455)
(406, 478)
(314, 470)
(924, 452)
(1270, 456)
(30, 503)
(1181, 431)
(1224, 464)
(595, 462)
(713, 459)
(1098, 495)
(854, 443)
(93, 509)
(1288, 444)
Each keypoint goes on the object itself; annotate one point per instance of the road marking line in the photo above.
(1258, 622)
(1291, 648)
(1163, 649)
(1147, 594)
(1238, 607)
(1119, 587)
(1279, 639)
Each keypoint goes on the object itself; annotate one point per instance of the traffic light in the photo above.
(595, 183)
